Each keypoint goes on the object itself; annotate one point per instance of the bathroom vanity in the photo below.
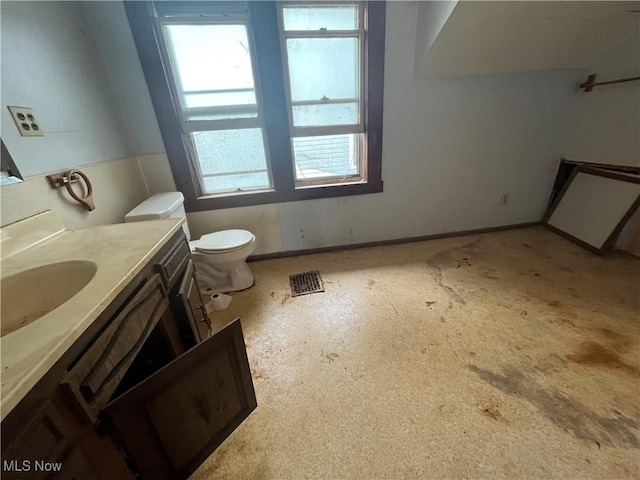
(135, 387)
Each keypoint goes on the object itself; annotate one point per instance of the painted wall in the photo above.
(605, 124)
(451, 147)
(487, 37)
(118, 187)
(50, 61)
(432, 17)
(56, 68)
(109, 27)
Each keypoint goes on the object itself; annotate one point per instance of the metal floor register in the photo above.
(305, 283)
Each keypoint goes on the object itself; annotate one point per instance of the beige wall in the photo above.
(260, 219)
(118, 186)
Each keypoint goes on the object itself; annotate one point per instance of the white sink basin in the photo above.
(31, 294)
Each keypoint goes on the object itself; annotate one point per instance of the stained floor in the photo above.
(506, 355)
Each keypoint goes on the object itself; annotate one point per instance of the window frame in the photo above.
(188, 127)
(312, 131)
(270, 86)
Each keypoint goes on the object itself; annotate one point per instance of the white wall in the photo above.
(431, 17)
(451, 147)
(605, 126)
(109, 25)
(50, 61)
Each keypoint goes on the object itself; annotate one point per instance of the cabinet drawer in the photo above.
(95, 376)
(174, 262)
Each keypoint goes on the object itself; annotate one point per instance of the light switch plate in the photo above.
(26, 121)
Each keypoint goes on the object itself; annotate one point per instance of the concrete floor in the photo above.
(506, 355)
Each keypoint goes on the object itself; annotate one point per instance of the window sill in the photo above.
(301, 185)
(209, 196)
(246, 199)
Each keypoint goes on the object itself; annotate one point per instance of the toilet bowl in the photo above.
(220, 258)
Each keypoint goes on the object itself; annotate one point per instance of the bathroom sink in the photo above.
(31, 294)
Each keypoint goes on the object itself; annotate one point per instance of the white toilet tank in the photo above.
(160, 205)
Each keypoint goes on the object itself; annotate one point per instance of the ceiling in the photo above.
(480, 37)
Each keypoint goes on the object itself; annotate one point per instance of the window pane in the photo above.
(232, 159)
(213, 66)
(327, 156)
(319, 17)
(323, 68)
(327, 114)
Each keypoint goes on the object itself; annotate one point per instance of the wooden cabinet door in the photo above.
(171, 422)
(44, 449)
(194, 308)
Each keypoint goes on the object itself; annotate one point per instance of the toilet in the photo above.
(220, 257)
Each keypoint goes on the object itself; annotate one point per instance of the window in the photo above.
(212, 74)
(261, 102)
(323, 52)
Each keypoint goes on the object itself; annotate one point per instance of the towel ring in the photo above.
(87, 200)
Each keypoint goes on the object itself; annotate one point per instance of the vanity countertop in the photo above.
(120, 252)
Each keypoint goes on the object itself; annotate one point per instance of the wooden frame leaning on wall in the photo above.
(610, 241)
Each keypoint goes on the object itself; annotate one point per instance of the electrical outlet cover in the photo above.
(26, 121)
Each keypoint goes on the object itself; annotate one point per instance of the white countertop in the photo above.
(120, 252)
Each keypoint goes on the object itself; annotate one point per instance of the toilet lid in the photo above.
(223, 241)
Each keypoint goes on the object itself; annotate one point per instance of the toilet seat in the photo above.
(224, 241)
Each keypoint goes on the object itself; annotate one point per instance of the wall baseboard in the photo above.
(396, 241)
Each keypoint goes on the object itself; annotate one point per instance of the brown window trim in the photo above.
(268, 58)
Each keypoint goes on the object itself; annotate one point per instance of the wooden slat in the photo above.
(174, 262)
(193, 304)
(170, 333)
(96, 375)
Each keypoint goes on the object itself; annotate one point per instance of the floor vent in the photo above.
(305, 283)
